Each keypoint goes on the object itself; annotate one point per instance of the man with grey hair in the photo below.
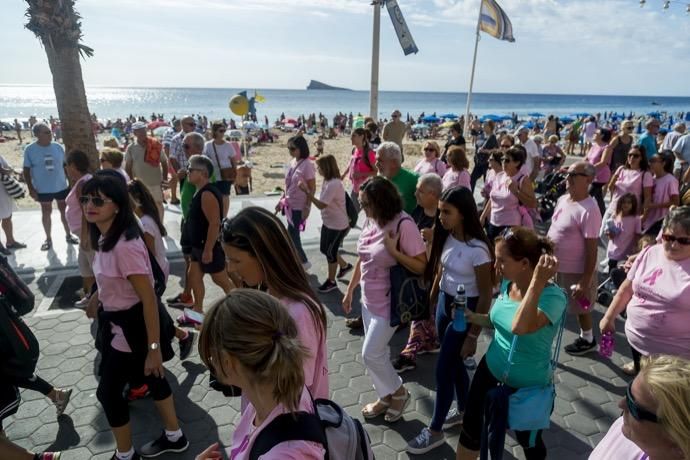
(177, 156)
(681, 149)
(146, 161)
(394, 131)
(389, 165)
(44, 175)
(574, 231)
(648, 138)
(671, 138)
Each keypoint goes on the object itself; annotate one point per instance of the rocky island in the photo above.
(318, 85)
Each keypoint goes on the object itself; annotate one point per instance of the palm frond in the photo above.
(56, 23)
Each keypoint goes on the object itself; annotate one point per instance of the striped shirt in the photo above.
(176, 150)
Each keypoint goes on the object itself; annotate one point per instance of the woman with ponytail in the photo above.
(249, 340)
(362, 163)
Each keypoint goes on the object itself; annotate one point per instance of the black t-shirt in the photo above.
(453, 141)
(196, 222)
(421, 219)
(490, 143)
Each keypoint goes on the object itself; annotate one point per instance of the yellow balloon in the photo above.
(239, 105)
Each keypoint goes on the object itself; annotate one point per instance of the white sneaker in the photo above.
(81, 303)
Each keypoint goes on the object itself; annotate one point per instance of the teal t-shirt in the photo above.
(406, 182)
(649, 143)
(532, 356)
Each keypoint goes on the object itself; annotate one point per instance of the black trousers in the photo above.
(596, 191)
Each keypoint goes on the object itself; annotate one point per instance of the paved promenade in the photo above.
(588, 387)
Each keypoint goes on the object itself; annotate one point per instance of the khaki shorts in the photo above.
(565, 280)
(156, 192)
(85, 261)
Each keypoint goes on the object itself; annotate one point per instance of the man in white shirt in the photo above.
(533, 160)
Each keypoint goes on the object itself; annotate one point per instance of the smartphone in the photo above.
(194, 316)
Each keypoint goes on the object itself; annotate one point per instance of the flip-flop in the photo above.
(393, 415)
(47, 244)
(368, 414)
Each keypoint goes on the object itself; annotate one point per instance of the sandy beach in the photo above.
(268, 159)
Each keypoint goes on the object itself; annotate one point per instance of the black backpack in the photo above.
(352, 213)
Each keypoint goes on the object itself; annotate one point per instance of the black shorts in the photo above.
(9, 400)
(223, 186)
(49, 197)
(217, 262)
(185, 244)
(242, 189)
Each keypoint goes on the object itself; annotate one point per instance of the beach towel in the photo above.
(153, 151)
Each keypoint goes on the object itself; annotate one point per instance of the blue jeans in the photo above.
(452, 380)
(293, 231)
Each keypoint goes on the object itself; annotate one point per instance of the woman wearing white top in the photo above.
(221, 154)
(7, 206)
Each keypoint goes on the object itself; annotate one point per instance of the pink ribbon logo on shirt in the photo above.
(651, 279)
(558, 213)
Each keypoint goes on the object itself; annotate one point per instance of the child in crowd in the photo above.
(319, 145)
(623, 230)
(552, 155)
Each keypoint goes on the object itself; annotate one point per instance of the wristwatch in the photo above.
(154, 346)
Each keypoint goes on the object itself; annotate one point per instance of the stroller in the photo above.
(549, 191)
(607, 289)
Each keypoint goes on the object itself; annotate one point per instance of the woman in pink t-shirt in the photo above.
(633, 177)
(389, 237)
(250, 341)
(134, 335)
(656, 294)
(623, 229)
(664, 196)
(655, 414)
(361, 167)
(458, 176)
(294, 204)
(260, 253)
(599, 155)
(430, 163)
(336, 224)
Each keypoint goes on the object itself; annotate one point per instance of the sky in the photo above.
(562, 46)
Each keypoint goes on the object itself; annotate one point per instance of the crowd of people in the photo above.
(488, 267)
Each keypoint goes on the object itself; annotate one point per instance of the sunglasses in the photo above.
(633, 155)
(638, 413)
(429, 149)
(506, 146)
(95, 200)
(684, 240)
(575, 174)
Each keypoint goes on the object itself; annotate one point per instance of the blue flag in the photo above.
(400, 26)
(494, 21)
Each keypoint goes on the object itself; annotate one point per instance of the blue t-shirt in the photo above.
(532, 356)
(47, 167)
(649, 143)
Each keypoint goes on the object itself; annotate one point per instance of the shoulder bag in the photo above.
(408, 292)
(226, 174)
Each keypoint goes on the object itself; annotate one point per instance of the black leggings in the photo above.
(118, 369)
(470, 436)
(637, 358)
(330, 243)
(596, 191)
(34, 383)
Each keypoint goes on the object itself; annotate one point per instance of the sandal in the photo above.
(71, 239)
(393, 415)
(369, 412)
(16, 245)
(47, 244)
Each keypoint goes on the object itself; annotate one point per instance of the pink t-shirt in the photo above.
(73, 211)
(316, 365)
(434, 166)
(616, 446)
(630, 181)
(488, 183)
(376, 261)
(115, 292)
(359, 167)
(334, 216)
(664, 188)
(594, 156)
(659, 310)
(623, 244)
(300, 171)
(504, 205)
(149, 226)
(246, 432)
(456, 179)
(572, 223)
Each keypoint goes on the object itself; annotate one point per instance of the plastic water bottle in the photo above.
(582, 301)
(606, 345)
(459, 305)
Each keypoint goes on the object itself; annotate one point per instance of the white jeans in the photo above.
(376, 353)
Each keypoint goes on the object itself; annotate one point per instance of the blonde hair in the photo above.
(257, 330)
(668, 378)
(553, 139)
(434, 145)
(111, 141)
(113, 156)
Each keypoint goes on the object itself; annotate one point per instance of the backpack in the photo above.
(352, 213)
(342, 437)
(14, 291)
(18, 345)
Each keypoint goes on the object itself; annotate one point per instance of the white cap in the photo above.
(138, 125)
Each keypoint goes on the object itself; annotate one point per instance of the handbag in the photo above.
(530, 408)
(226, 174)
(408, 293)
(12, 186)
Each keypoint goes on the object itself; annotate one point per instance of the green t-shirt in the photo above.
(532, 356)
(406, 181)
(187, 192)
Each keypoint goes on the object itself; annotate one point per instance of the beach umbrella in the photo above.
(447, 124)
(581, 114)
(431, 119)
(566, 119)
(291, 121)
(491, 116)
(358, 122)
(159, 131)
(420, 126)
(687, 116)
(535, 114)
(250, 125)
(529, 124)
(505, 117)
(156, 124)
(450, 116)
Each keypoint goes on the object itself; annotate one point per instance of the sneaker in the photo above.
(162, 445)
(629, 368)
(134, 457)
(581, 347)
(306, 265)
(327, 286)
(425, 441)
(453, 418)
(344, 271)
(186, 345)
(135, 393)
(70, 239)
(402, 363)
(48, 456)
(180, 301)
(470, 363)
(61, 400)
(354, 323)
(81, 303)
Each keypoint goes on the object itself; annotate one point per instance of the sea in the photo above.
(20, 101)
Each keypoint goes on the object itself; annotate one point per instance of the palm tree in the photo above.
(57, 25)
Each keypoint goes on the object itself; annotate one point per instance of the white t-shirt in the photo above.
(533, 156)
(225, 155)
(149, 226)
(459, 260)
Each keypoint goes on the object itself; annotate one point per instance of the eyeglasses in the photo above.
(429, 149)
(633, 155)
(220, 130)
(638, 413)
(576, 174)
(190, 169)
(95, 200)
(684, 240)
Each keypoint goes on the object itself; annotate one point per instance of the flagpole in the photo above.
(374, 88)
(474, 62)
